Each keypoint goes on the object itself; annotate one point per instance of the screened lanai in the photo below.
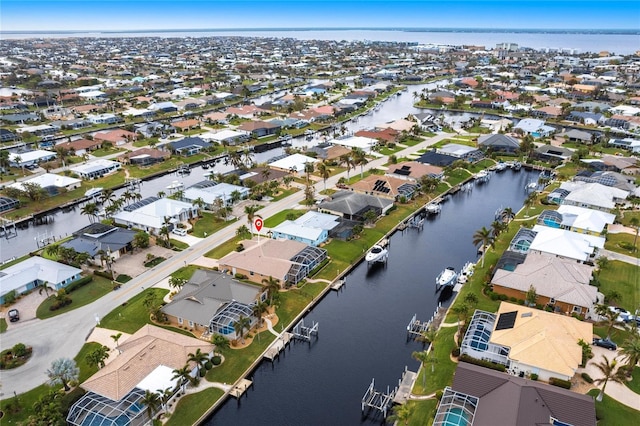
(223, 321)
(96, 410)
(304, 262)
(476, 342)
(522, 240)
(7, 203)
(455, 409)
(550, 218)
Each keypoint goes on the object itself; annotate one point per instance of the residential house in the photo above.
(552, 153)
(96, 169)
(312, 228)
(28, 158)
(534, 127)
(285, 260)
(144, 156)
(528, 341)
(211, 302)
(483, 397)
(559, 283)
(80, 146)
(227, 137)
(365, 144)
(577, 219)
(576, 136)
(188, 146)
(593, 195)
(259, 128)
(353, 206)
(630, 144)
(294, 163)
(50, 182)
(99, 239)
(117, 137)
(34, 271)
(186, 125)
(151, 214)
(414, 171)
(387, 135)
(498, 142)
(386, 187)
(209, 192)
(564, 243)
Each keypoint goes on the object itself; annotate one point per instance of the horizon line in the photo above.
(326, 28)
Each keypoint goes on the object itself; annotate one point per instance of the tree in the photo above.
(250, 211)
(325, 172)
(199, 358)
(359, 159)
(630, 350)
(141, 240)
(531, 296)
(258, 310)
(220, 342)
(428, 336)
(401, 413)
(308, 169)
(462, 312)
(272, 286)
(43, 286)
(635, 223)
(609, 372)
(608, 316)
(483, 238)
(63, 371)
(240, 325)
(91, 210)
(602, 263)
(98, 356)
(496, 228)
(47, 410)
(151, 400)
(507, 215)
(116, 337)
(243, 231)
(184, 375)
(347, 160)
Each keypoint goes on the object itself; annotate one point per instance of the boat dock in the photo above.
(404, 386)
(416, 328)
(379, 401)
(273, 351)
(240, 388)
(302, 332)
(337, 285)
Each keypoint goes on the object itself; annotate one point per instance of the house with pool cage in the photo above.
(145, 362)
(211, 302)
(527, 341)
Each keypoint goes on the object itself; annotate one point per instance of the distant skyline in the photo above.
(114, 15)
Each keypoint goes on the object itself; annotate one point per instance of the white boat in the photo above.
(501, 166)
(377, 253)
(482, 176)
(466, 272)
(433, 208)
(93, 192)
(448, 277)
(175, 185)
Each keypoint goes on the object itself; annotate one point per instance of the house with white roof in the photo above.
(152, 213)
(593, 195)
(568, 244)
(32, 272)
(20, 159)
(312, 228)
(227, 137)
(534, 127)
(581, 219)
(293, 163)
(50, 182)
(361, 142)
(209, 191)
(96, 169)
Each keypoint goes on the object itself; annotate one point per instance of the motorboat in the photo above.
(175, 185)
(482, 176)
(433, 208)
(377, 253)
(93, 192)
(466, 272)
(447, 278)
(501, 166)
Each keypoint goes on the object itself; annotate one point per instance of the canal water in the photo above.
(362, 328)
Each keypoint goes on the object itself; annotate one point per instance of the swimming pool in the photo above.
(456, 417)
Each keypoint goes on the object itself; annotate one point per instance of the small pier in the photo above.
(337, 285)
(240, 388)
(416, 328)
(417, 222)
(379, 401)
(278, 346)
(302, 332)
(404, 386)
(8, 228)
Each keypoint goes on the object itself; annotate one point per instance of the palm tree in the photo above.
(63, 371)
(151, 400)
(462, 311)
(240, 325)
(199, 358)
(401, 413)
(52, 250)
(630, 350)
(250, 211)
(116, 337)
(507, 215)
(161, 194)
(91, 210)
(609, 372)
(165, 229)
(107, 196)
(258, 310)
(347, 160)
(308, 169)
(483, 238)
(164, 396)
(428, 336)
(43, 286)
(610, 316)
(325, 172)
(359, 159)
(184, 375)
(635, 223)
(18, 160)
(496, 228)
(220, 342)
(272, 285)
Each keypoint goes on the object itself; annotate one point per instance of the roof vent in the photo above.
(526, 315)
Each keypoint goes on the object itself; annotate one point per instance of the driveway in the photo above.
(617, 391)
(27, 306)
(133, 264)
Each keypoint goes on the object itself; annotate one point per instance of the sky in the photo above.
(67, 15)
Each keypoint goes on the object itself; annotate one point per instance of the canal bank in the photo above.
(363, 326)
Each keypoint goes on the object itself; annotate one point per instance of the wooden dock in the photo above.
(273, 351)
(405, 384)
(240, 388)
(337, 285)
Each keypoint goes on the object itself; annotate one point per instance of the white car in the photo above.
(179, 231)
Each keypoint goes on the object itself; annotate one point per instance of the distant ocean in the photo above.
(622, 42)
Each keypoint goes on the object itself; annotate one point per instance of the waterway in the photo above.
(362, 329)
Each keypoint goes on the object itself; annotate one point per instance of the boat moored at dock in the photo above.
(378, 253)
(447, 277)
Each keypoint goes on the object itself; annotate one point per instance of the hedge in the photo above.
(103, 274)
(482, 363)
(587, 378)
(77, 284)
(566, 384)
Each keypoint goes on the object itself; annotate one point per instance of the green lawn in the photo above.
(132, 315)
(209, 224)
(179, 245)
(280, 217)
(284, 193)
(634, 383)
(627, 215)
(617, 335)
(443, 370)
(191, 407)
(457, 176)
(224, 248)
(623, 278)
(622, 243)
(423, 412)
(185, 272)
(102, 152)
(611, 413)
(82, 296)
(3, 325)
(236, 361)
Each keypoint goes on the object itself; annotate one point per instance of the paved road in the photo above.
(64, 335)
(612, 255)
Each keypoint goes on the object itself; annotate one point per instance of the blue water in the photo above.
(456, 417)
(362, 329)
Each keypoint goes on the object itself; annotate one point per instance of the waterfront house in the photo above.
(145, 362)
(116, 137)
(28, 158)
(144, 156)
(413, 171)
(151, 214)
(98, 238)
(565, 243)
(593, 195)
(384, 135)
(561, 284)
(552, 153)
(630, 144)
(294, 163)
(211, 302)
(96, 169)
(481, 396)
(285, 260)
(209, 191)
(499, 143)
(527, 341)
(385, 187)
(188, 146)
(353, 206)
(365, 144)
(32, 272)
(534, 127)
(312, 228)
(81, 146)
(7, 204)
(227, 137)
(50, 182)
(259, 128)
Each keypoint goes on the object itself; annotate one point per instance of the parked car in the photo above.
(605, 343)
(14, 315)
(179, 231)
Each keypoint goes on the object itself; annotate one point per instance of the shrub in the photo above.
(19, 349)
(122, 278)
(203, 372)
(439, 394)
(79, 283)
(455, 352)
(494, 296)
(60, 304)
(216, 360)
(513, 299)
(240, 276)
(104, 274)
(626, 245)
(502, 297)
(10, 297)
(483, 363)
(587, 378)
(208, 365)
(566, 384)
(533, 377)
(239, 248)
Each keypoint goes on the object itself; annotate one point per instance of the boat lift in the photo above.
(302, 332)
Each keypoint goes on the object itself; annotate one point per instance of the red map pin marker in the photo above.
(257, 223)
